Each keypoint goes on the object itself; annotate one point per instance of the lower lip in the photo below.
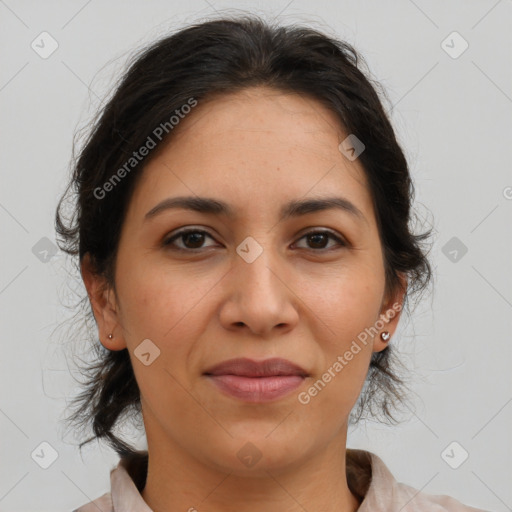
(256, 389)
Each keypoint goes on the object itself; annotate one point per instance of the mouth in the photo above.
(252, 381)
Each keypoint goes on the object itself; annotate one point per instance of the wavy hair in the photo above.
(224, 56)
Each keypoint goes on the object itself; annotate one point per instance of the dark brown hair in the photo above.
(223, 56)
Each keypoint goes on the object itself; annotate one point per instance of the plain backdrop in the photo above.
(452, 111)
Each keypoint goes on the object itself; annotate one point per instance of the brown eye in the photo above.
(191, 239)
(319, 239)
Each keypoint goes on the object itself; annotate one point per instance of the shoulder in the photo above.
(101, 504)
(127, 479)
(385, 493)
(411, 499)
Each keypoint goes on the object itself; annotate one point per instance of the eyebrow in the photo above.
(294, 208)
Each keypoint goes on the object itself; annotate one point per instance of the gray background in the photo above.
(452, 116)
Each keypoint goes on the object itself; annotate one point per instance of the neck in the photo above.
(177, 481)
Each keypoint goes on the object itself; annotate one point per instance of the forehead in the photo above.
(257, 144)
(264, 118)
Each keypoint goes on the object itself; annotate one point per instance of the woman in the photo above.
(242, 227)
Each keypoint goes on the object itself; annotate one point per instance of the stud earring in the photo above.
(384, 336)
(110, 336)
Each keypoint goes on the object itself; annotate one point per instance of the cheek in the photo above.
(169, 307)
(346, 302)
(349, 307)
(155, 300)
(166, 309)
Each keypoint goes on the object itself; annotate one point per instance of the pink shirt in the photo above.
(367, 477)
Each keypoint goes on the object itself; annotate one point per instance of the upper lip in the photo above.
(250, 368)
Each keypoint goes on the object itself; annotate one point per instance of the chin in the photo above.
(256, 454)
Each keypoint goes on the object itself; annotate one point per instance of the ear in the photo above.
(104, 306)
(391, 310)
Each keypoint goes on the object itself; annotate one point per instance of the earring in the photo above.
(110, 336)
(384, 335)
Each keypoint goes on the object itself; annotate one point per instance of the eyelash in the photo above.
(169, 241)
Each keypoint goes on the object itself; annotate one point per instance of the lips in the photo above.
(244, 367)
(257, 382)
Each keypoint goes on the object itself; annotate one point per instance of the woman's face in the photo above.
(250, 283)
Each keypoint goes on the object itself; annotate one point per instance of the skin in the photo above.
(302, 299)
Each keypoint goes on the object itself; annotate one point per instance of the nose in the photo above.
(259, 297)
